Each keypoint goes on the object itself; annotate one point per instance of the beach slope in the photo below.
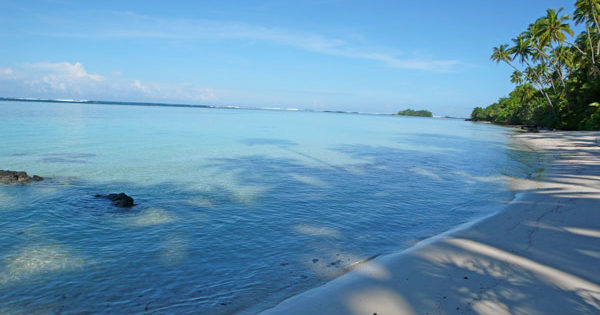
(541, 255)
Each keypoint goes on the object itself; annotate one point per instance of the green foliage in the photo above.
(420, 113)
(557, 81)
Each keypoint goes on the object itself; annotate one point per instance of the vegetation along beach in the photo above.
(556, 72)
(306, 157)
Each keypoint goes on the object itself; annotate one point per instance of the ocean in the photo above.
(236, 209)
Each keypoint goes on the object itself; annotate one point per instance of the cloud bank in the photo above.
(65, 80)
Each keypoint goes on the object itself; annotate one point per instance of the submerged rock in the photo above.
(118, 200)
(14, 177)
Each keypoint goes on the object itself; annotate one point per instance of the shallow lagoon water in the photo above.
(236, 209)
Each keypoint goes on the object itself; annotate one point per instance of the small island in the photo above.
(419, 113)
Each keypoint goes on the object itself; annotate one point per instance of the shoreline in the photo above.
(540, 254)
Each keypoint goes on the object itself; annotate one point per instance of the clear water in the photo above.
(236, 209)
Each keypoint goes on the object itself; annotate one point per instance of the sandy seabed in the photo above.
(541, 255)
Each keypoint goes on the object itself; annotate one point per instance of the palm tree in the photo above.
(542, 70)
(501, 53)
(539, 55)
(530, 74)
(551, 29)
(522, 48)
(533, 75)
(516, 78)
(586, 11)
(566, 57)
(559, 58)
(550, 63)
(527, 91)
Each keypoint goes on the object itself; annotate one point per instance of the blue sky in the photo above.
(368, 56)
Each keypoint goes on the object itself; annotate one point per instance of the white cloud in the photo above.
(60, 76)
(6, 72)
(337, 47)
(73, 81)
(135, 26)
(137, 84)
(65, 70)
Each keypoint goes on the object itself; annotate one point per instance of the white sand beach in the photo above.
(541, 255)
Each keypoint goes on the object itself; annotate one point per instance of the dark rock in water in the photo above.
(334, 263)
(121, 200)
(118, 200)
(13, 177)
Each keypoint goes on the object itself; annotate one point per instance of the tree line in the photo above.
(557, 80)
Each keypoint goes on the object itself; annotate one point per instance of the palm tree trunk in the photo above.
(560, 73)
(564, 90)
(598, 30)
(542, 90)
(554, 112)
(551, 83)
(596, 70)
(547, 96)
(511, 65)
(562, 80)
(591, 45)
(539, 81)
(578, 49)
(553, 109)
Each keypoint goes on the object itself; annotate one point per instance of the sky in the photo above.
(367, 56)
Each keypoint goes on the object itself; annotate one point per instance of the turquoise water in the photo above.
(236, 209)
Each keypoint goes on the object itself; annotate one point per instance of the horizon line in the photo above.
(160, 104)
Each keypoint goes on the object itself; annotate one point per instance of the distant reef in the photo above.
(419, 113)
